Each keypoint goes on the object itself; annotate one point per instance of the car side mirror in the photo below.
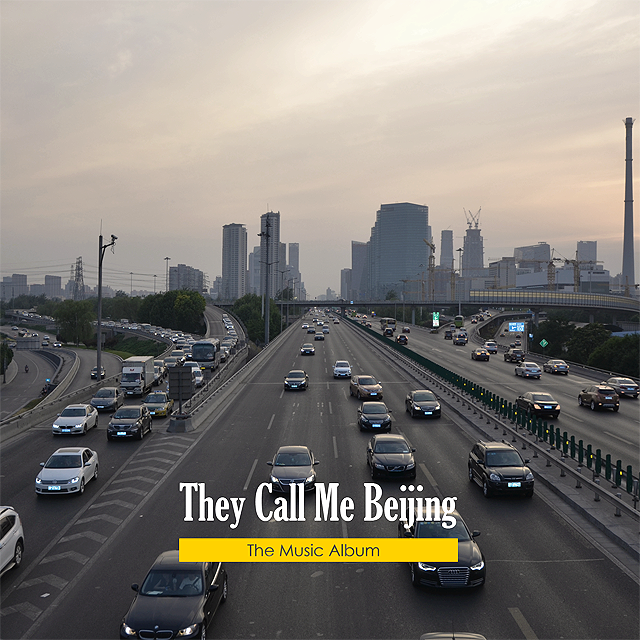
(135, 587)
(389, 411)
(42, 464)
(316, 462)
(413, 449)
(212, 588)
(526, 460)
(475, 534)
(270, 463)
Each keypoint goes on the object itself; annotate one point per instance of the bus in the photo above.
(388, 323)
(205, 353)
(459, 321)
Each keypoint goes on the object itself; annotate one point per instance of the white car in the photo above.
(67, 471)
(528, 370)
(341, 369)
(76, 418)
(198, 376)
(11, 539)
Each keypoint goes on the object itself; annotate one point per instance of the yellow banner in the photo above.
(318, 550)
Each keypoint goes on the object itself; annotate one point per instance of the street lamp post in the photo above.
(166, 285)
(101, 249)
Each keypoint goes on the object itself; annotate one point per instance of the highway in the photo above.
(544, 579)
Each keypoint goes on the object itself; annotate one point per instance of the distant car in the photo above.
(107, 399)
(623, 387)
(319, 336)
(374, 416)
(491, 346)
(342, 369)
(538, 404)
(390, 456)
(480, 354)
(364, 386)
(94, 373)
(296, 379)
(75, 418)
(402, 339)
(460, 339)
(57, 345)
(388, 332)
(424, 403)
(514, 355)
(307, 349)
(14, 328)
(159, 404)
(178, 599)
(499, 468)
(518, 343)
(68, 470)
(598, 396)
(11, 539)
(556, 366)
(336, 321)
(311, 330)
(132, 421)
(292, 465)
(448, 334)
(198, 376)
(528, 370)
(325, 330)
(406, 329)
(305, 326)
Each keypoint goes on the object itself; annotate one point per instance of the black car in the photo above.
(94, 373)
(468, 571)
(296, 379)
(176, 599)
(307, 349)
(498, 468)
(448, 334)
(480, 354)
(390, 456)
(538, 404)
(132, 421)
(623, 387)
(292, 465)
(423, 402)
(107, 399)
(374, 416)
(514, 355)
(402, 339)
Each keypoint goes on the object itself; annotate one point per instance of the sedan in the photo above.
(176, 599)
(374, 416)
(391, 456)
(311, 330)
(319, 336)
(538, 404)
(460, 339)
(491, 346)
(598, 396)
(131, 421)
(468, 571)
(423, 402)
(159, 404)
(296, 379)
(528, 370)
(623, 387)
(67, 471)
(402, 339)
(342, 369)
(556, 366)
(480, 354)
(307, 349)
(293, 465)
(94, 373)
(76, 418)
(107, 399)
(365, 387)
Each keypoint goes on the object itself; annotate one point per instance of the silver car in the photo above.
(76, 418)
(528, 370)
(67, 471)
(342, 369)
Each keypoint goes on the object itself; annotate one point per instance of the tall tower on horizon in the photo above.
(628, 267)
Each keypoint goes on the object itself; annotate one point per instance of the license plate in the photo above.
(294, 386)
(53, 487)
(153, 413)
(65, 430)
(376, 424)
(428, 413)
(547, 406)
(514, 484)
(373, 394)
(608, 398)
(121, 433)
(100, 407)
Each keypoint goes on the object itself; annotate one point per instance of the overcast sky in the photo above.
(165, 120)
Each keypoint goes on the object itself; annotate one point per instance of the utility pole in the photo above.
(266, 235)
(166, 285)
(101, 249)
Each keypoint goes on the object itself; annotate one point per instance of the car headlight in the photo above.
(309, 479)
(187, 631)
(274, 479)
(494, 477)
(56, 426)
(127, 630)
(537, 407)
(437, 407)
(425, 567)
(377, 465)
(74, 480)
(478, 567)
(411, 465)
(416, 407)
(38, 480)
(529, 476)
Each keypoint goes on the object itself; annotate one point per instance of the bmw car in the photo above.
(75, 418)
(68, 470)
(292, 465)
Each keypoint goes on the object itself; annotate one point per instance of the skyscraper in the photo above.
(446, 248)
(253, 285)
(270, 252)
(359, 270)
(234, 261)
(587, 253)
(472, 254)
(535, 257)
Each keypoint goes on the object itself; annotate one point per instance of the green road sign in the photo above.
(543, 343)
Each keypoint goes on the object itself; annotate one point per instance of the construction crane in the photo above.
(576, 268)
(432, 267)
(471, 218)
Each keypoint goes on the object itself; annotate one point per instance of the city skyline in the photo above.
(112, 121)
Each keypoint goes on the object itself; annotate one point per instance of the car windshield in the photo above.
(105, 393)
(625, 381)
(436, 530)
(174, 583)
(130, 377)
(423, 396)
(307, 346)
(530, 365)
(367, 381)
(374, 407)
(155, 398)
(64, 461)
(342, 364)
(301, 459)
(77, 412)
(127, 412)
(543, 397)
(391, 447)
(296, 374)
(607, 391)
(503, 459)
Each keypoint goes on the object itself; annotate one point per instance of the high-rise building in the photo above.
(535, 257)
(472, 254)
(446, 248)
(345, 284)
(253, 285)
(270, 253)
(587, 254)
(398, 251)
(294, 276)
(502, 274)
(359, 271)
(234, 261)
(19, 286)
(53, 287)
(185, 277)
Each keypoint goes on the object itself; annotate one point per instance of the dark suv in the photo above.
(514, 355)
(498, 468)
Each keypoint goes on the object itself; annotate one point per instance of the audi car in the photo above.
(390, 456)
(499, 468)
(68, 470)
(292, 465)
(76, 418)
(538, 404)
(374, 416)
(423, 403)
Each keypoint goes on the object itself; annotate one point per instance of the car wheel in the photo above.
(516, 371)
(529, 494)
(151, 425)
(81, 487)
(358, 395)
(580, 403)
(470, 474)
(616, 408)
(373, 473)
(485, 489)
(84, 429)
(96, 424)
(555, 416)
(225, 590)
(592, 406)
(17, 554)
(413, 413)
(141, 432)
(414, 576)
(351, 392)
(95, 473)
(203, 631)
(109, 438)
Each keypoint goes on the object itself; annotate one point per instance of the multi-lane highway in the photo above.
(544, 579)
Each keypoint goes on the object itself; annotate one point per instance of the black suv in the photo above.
(498, 468)
(514, 355)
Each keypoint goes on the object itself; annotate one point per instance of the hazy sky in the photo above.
(166, 120)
